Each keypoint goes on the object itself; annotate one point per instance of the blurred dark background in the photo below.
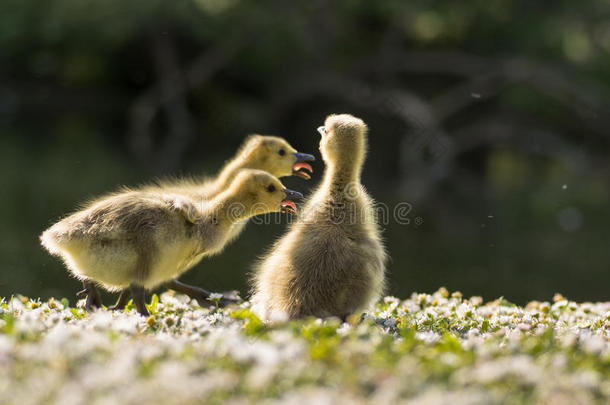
(490, 118)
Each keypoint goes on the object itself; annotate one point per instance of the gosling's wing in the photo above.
(123, 216)
(90, 220)
(185, 207)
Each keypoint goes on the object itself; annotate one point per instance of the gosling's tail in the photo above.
(55, 238)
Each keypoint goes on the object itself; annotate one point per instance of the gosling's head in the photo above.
(259, 192)
(274, 155)
(343, 140)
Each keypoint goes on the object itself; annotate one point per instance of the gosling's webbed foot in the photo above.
(203, 296)
(122, 301)
(138, 293)
(230, 297)
(93, 300)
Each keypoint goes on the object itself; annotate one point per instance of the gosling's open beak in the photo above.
(322, 130)
(300, 168)
(287, 205)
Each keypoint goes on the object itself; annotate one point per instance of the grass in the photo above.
(435, 348)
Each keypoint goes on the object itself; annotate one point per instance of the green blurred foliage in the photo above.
(515, 204)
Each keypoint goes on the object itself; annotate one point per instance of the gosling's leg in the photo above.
(138, 294)
(197, 293)
(91, 295)
(202, 296)
(122, 301)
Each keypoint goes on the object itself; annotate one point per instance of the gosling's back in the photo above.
(328, 265)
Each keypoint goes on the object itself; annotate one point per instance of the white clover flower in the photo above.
(428, 337)
(215, 297)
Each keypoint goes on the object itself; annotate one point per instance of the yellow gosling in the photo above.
(332, 260)
(139, 239)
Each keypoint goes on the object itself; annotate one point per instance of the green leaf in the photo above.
(253, 326)
(9, 323)
(505, 303)
(130, 305)
(485, 326)
(154, 302)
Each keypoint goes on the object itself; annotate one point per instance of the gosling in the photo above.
(332, 260)
(263, 152)
(269, 153)
(141, 239)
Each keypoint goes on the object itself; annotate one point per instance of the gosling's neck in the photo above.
(227, 174)
(338, 175)
(228, 208)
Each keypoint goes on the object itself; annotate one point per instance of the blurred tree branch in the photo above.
(173, 98)
(487, 76)
(170, 92)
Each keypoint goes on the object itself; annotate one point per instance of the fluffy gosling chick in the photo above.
(140, 239)
(269, 153)
(332, 261)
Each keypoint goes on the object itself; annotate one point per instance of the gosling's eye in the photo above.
(282, 152)
(271, 188)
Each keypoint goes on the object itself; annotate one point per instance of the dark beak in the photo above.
(287, 205)
(292, 194)
(300, 168)
(304, 157)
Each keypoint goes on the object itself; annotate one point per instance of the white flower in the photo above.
(215, 297)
